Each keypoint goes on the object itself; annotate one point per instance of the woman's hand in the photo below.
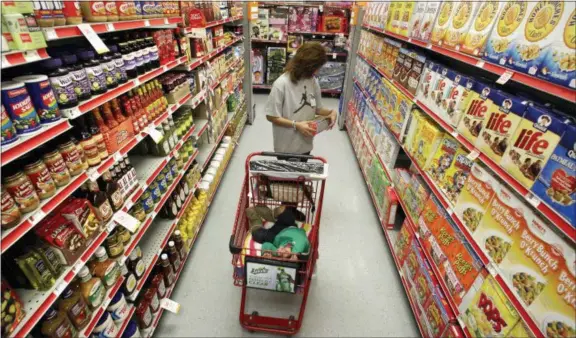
(304, 128)
(333, 118)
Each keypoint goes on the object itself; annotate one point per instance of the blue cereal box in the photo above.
(556, 185)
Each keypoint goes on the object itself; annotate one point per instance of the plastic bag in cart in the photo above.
(290, 169)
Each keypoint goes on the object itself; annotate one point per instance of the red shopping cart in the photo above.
(298, 184)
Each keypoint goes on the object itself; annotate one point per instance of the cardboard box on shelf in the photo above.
(481, 27)
(456, 175)
(505, 32)
(442, 22)
(475, 107)
(119, 136)
(460, 22)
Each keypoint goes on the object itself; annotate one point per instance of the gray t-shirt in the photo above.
(296, 102)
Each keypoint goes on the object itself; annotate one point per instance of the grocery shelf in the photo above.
(279, 42)
(26, 143)
(514, 299)
(97, 313)
(525, 79)
(62, 32)
(207, 150)
(188, 30)
(556, 219)
(227, 73)
(18, 57)
(198, 61)
(124, 325)
(322, 34)
(333, 4)
(202, 125)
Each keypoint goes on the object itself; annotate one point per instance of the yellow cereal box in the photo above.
(501, 121)
(394, 20)
(442, 22)
(462, 18)
(414, 119)
(456, 175)
(477, 105)
(481, 27)
(487, 311)
(442, 158)
(475, 197)
(532, 144)
(520, 330)
(505, 32)
(405, 17)
(428, 138)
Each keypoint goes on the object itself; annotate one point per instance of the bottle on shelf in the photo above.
(72, 303)
(110, 119)
(99, 201)
(166, 267)
(91, 288)
(105, 268)
(56, 324)
(174, 256)
(87, 142)
(112, 190)
(179, 242)
(96, 133)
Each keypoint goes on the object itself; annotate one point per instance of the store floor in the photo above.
(357, 291)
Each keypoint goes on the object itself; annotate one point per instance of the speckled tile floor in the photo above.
(357, 291)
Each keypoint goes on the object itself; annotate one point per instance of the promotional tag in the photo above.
(170, 305)
(126, 220)
(155, 134)
(93, 38)
(507, 75)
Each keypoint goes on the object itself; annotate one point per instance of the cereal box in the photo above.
(400, 68)
(487, 311)
(416, 19)
(445, 85)
(428, 20)
(543, 25)
(442, 158)
(505, 32)
(436, 313)
(559, 59)
(396, 9)
(460, 22)
(475, 197)
(423, 283)
(427, 83)
(467, 95)
(442, 22)
(404, 106)
(456, 175)
(403, 242)
(413, 77)
(477, 105)
(412, 262)
(430, 213)
(501, 121)
(405, 17)
(460, 90)
(532, 144)
(481, 27)
(556, 184)
(427, 140)
(391, 56)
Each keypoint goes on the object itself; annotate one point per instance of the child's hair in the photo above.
(310, 57)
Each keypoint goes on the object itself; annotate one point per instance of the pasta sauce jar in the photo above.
(71, 157)
(41, 179)
(22, 189)
(10, 213)
(57, 168)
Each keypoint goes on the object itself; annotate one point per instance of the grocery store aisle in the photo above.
(357, 291)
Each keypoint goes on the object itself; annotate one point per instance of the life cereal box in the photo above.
(501, 121)
(440, 92)
(559, 59)
(556, 184)
(481, 27)
(427, 83)
(456, 175)
(477, 105)
(442, 22)
(532, 144)
(405, 17)
(427, 140)
(543, 25)
(462, 18)
(468, 94)
(475, 197)
(442, 158)
(487, 311)
(506, 31)
(416, 19)
(428, 20)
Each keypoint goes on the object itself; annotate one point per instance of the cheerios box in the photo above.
(481, 27)
(558, 63)
(502, 119)
(532, 144)
(505, 32)
(474, 112)
(475, 197)
(544, 24)
(442, 22)
(487, 312)
(462, 18)
(556, 184)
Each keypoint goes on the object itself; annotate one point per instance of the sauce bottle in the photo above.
(87, 142)
(114, 244)
(136, 265)
(72, 303)
(109, 68)
(177, 238)
(81, 82)
(94, 72)
(105, 268)
(61, 83)
(166, 268)
(99, 201)
(91, 288)
(57, 325)
(112, 190)
(174, 256)
(116, 111)
(158, 284)
(97, 136)
(130, 281)
(151, 296)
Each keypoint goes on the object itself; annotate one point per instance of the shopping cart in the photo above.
(294, 184)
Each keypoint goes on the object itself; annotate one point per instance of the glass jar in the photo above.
(124, 234)
(114, 245)
(40, 177)
(21, 188)
(57, 168)
(138, 212)
(71, 157)
(11, 215)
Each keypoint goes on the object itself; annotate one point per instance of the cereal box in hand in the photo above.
(477, 105)
(462, 18)
(487, 312)
(556, 184)
(442, 22)
(456, 175)
(505, 32)
(481, 27)
(532, 144)
(442, 158)
(428, 20)
(475, 197)
(501, 121)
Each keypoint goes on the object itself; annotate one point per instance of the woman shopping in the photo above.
(296, 99)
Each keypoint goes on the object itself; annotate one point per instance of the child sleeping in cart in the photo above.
(284, 239)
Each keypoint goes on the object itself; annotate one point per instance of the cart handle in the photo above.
(233, 249)
(290, 155)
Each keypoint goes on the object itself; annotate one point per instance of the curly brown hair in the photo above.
(310, 57)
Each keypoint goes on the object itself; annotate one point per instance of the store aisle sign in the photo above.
(270, 277)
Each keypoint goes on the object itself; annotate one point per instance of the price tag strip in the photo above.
(507, 75)
(170, 305)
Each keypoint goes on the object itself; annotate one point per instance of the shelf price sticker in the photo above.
(507, 75)
(31, 55)
(126, 220)
(77, 267)
(93, 38)
(39, 215)
(111, 226)
(155, 134)
(473, 155)
(110, 27)
(532, 199)
(60, 288)
(170, 305)
(480, 64)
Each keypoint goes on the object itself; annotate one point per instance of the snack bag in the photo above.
(481, 27)
(477, 105)
(505, 32)
(456, 175)
(442, 22)
(501, 121)
(532, 144)
(460, 22)
(475, 197)
(556, 184)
